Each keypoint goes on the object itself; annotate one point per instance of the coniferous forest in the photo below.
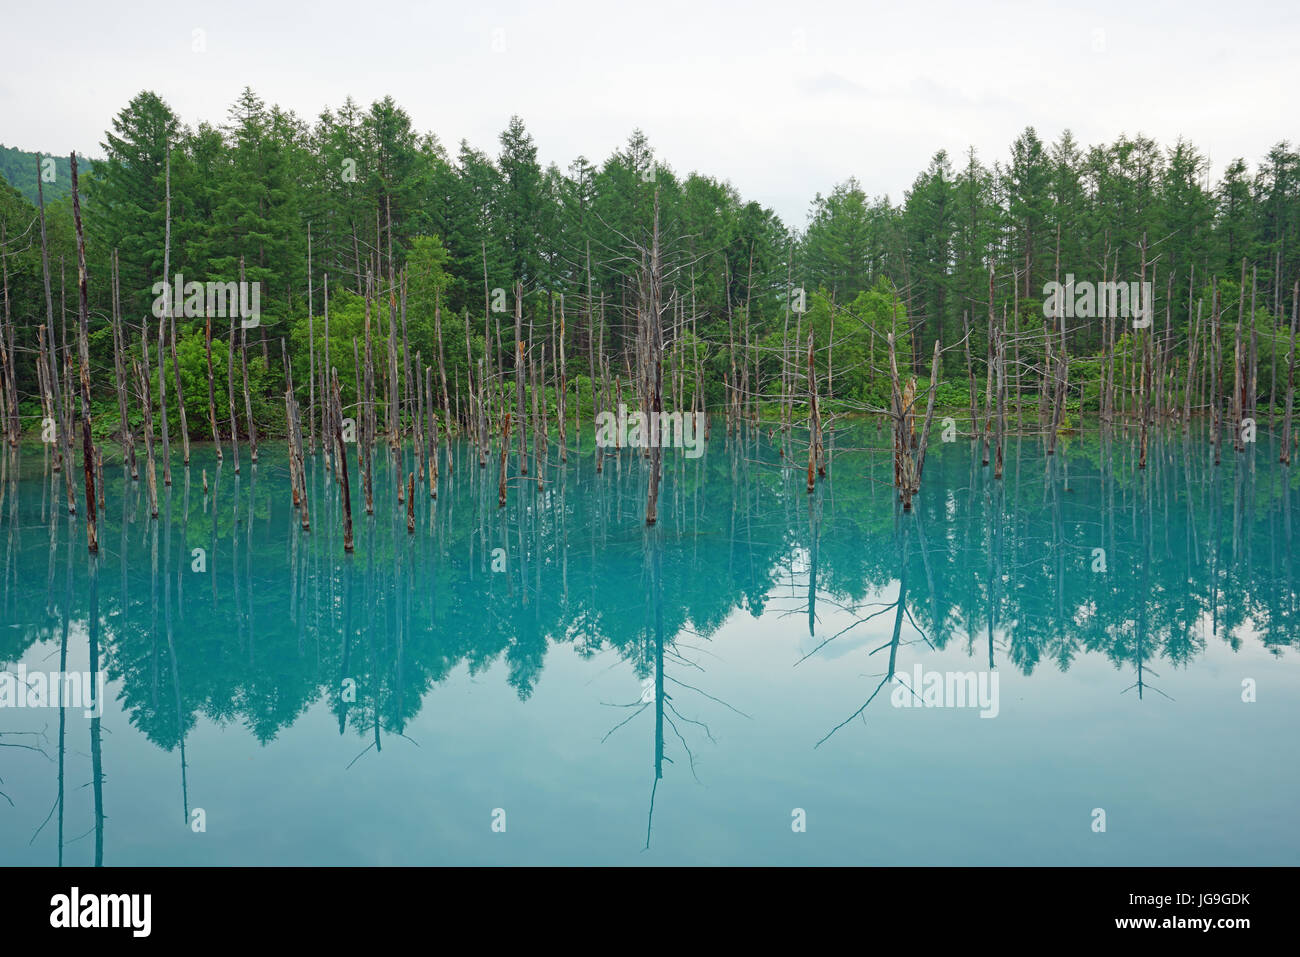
(356, 226)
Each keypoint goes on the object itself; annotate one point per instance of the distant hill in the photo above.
(19, 168)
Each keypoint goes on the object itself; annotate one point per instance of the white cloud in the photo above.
(782, 99)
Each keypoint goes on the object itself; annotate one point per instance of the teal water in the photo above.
(686, 694)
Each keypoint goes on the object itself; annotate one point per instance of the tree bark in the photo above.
(83, 349)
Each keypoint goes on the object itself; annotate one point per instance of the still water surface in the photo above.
(551, 682)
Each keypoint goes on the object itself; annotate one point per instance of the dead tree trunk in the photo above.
(433, 442)
(341, 452)
(970, 373)
(442, 365)
(1238, 382)
(365, 442)
(904, 478)
(212, 394)
(119, 371)
(505, 451)
(1290, 379)
(311, 355)
(180, 394)
(1193, 346)
(1216, 385)
(243, 365)
(1145, 387)
(230, 386)
(562, 393)
(146, 401)
(327, 405)
(169, 306)
(63, 451)
(655, 338)
(519, 377)
(539, 431)
(6, 367)
(929, 416)
(812, 418)
(83, 349)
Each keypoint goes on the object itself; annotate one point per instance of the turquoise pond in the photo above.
(553, 683)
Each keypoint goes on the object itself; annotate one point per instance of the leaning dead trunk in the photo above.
(431, 456)
(342, 454)
(929, 416)
(294, 485)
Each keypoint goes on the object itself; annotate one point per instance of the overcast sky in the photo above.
(784, 99)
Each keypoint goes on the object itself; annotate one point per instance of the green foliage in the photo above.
(22, 169)
(389, 209)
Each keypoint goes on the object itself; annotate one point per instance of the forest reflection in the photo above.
(1076, 553)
